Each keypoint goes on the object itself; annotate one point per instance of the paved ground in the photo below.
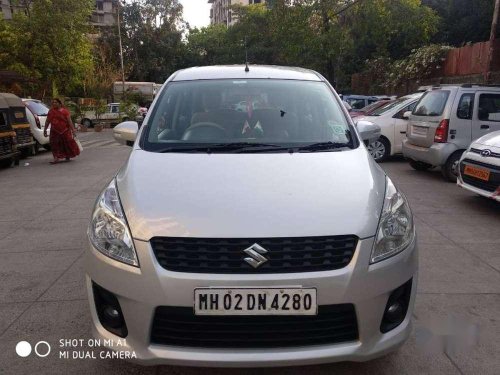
(44, 211)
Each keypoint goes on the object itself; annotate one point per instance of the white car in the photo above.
(37, 113)
(392, 120)
(480, 167)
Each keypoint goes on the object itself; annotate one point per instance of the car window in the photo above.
(3, 121)
(489, 107)
(465, 107)
(278, 112)
(432, 103)
(356, 103)
(37, 108)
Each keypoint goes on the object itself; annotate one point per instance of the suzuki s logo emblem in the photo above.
(255, 259)
(485, 153)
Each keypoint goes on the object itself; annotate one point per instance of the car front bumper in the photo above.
(140, 290)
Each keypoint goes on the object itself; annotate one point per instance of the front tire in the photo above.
(419, 165)
(380, 150)
(450, 169)
(87, 123)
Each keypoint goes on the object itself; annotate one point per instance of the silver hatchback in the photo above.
(250, 227)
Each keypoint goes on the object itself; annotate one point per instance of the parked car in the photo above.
(392, 121)
(37, 113)
(260, 238)
(369, 109)
(444, 123)
(359, 101)
(479, 170)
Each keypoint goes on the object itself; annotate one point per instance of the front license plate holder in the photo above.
(479, 173)
(255, 301)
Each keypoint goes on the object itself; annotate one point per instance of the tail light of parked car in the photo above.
(37, 121)
(441, 135)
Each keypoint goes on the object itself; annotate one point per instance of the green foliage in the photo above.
(463, 21)
(421, 63)
(48, 42)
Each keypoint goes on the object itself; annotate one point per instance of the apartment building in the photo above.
(221, 12)
(104, 14)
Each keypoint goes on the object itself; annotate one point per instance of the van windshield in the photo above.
(254, 115)
(432, 103)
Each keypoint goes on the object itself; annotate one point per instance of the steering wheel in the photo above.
(205, 131)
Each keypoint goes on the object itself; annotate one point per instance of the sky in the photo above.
(196, 12)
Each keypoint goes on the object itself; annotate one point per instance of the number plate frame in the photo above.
(258, 308)
(479, 173)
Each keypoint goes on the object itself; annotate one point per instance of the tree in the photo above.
(463, 21)
(48, 41)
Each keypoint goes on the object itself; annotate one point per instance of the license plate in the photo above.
(250, 301)
(482, 174)
(419, 130)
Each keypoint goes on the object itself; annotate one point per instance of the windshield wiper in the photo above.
(209, 148)
(322, 146)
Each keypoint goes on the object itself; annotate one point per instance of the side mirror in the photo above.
(368, 131)
(406, 115)
(126, 132)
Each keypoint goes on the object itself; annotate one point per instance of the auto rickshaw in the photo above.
(20, 124)
(8, 149)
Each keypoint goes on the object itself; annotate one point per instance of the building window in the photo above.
(100, 5)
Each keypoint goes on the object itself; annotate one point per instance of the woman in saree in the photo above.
(62, 133)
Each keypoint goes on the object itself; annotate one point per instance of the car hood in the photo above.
(491, 139)
(251, 195)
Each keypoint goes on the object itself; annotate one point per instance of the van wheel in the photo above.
(87, 123)
(450, 169)
(420, 165)
(380, 149)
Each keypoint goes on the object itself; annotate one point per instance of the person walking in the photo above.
(62, 133)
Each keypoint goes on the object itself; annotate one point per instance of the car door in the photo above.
(487, 113)
(400, 125)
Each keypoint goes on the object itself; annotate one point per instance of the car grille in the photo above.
(23, 136)
(494, 182)
(5, 145)
(478, 151)
(227, 256)
(178, 326)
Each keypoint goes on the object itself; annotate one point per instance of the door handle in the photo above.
(403, 132)
(485, 126)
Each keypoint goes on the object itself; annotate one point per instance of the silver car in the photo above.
(445, 122)
(262, 235)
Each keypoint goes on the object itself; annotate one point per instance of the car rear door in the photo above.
(487, 114)
(427, 115)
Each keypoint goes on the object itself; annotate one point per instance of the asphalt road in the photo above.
(44, 211)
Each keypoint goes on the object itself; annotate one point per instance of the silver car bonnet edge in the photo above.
(251, 195)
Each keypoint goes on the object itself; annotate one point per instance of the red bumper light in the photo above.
(441, 135)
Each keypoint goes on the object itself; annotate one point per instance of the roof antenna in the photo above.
(247, 69)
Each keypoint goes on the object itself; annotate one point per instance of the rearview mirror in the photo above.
(126, 132)
(368, 131)
(406, 115)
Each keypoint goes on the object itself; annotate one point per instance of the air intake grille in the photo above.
(178, 326)
(227, 256)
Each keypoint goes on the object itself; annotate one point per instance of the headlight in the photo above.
(108, 229)
(395, 230)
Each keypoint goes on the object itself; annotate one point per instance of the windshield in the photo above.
(275, 114)
(432, 103)
(391, 105)
(37, 108)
